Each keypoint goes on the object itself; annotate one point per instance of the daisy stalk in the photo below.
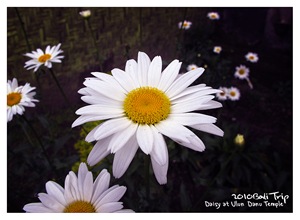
(23, 28)
(40, 143)
(87, 20)
(140, 105)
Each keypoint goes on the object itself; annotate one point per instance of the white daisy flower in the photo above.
(252, 57)
(139, 106)
(186, 25)
(192, 67)
(233, 94)
(213, 15)
(85, 13)
(223, 94)
(39, 57)
(81, 194)
(241, 72)
(18, 97)
(217, 49)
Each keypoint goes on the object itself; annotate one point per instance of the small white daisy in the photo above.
(223, 94)
(85, 13)
(213, 15)
(80, 194)
(252, 57)
(39, 57)
(192, 67)
(241, 72)
(186, 25)
(233, 93)
(18, 97)
(217, 49)
(139, 106)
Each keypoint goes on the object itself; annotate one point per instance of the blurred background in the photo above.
(260, 163)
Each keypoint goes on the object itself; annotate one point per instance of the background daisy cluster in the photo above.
(261, 115)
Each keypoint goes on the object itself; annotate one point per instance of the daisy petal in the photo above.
(124, 156)
(155, 71)
(184, 81)
(160, 171)
(144, 136)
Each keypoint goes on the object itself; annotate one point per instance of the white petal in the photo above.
(71, 188)
(144, 136)
(37, 208)
(194, 143)
(110, 207)
(124, 79)
(90, 135)
(143, 66)
(56, 191)
(154, 72)
(160, 171)
(209, 128)
(99, 110)
(113, 195)
(195, 95)
(169, 75)
(184, 81)
(100, 185)
(192, 118)
(132, 70)
(88, 118)
(191, 90)
(121, 138)
(106, 89)
(50, 202)
(124, 156)
(110, 127)
(98, 152)
(173, 130)
(210, 105)
(160, 150)
(189, 105)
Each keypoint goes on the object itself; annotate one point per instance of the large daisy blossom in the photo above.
(139, 106)
(39, 57)
(80, 194)
(18, 97)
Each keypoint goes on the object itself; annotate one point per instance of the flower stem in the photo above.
(249, 83)
(95, 43)
(59, 87)
(23, 29)
(40, 143)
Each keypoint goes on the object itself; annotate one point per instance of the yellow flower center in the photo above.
(80, 207)
(44, 58)
(13, 98)
(213, 16)
(241, 71)
(147, 105)
(232, 93)
(185, 24)
(251, 57)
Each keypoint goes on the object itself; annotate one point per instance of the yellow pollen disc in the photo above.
(251, 57)
(44, 58)
(80, 207)
(241, 71)
(147, 105)
(13, 98)
(232, 93)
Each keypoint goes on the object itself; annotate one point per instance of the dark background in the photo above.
(263, 115)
